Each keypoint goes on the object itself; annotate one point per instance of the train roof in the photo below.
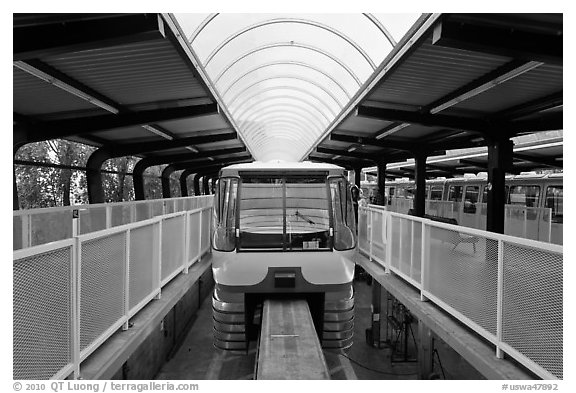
(484, 177)
(282, 166)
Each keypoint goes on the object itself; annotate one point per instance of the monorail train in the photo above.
(468, 196)
(282, 230)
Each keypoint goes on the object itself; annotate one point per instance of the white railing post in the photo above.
(186, 242)
(425, 258)
(525, 226)
(127, 281)
(411, 247)
(200, 252)
(388, 243)
(500, 299)
(159, 259)
(108, 216)
(75, 277)
(370, 222)
(401, 229)
(28, 230)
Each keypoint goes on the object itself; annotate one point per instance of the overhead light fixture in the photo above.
(336, 157)
(211, 158)
(192, 149)
(350, 150)
(392, 130)
(157, 132)
(488, 85)
(64, 86)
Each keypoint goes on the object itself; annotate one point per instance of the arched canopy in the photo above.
(284, 78)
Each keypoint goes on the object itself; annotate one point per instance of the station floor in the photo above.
(198, 359)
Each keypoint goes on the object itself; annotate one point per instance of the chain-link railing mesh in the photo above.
(416, 255)
(194, 240)
(18, 232)
(142, 211)
(206, 215)
(102, 285)
(378, 235)
(49, 227)
(532, 305)
(156, 208)
(172, 245)
(143, 259)
(121, 215)
(42, 311)
(92, 220)
(463, 273)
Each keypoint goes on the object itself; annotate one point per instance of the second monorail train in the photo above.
(526, 195)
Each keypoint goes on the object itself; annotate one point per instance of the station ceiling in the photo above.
(227, 89)
(454, 81)
(127, 82)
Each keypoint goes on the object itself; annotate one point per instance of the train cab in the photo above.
(283, 230)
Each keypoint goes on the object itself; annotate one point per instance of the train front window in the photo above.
(343, 213)
(284, 213)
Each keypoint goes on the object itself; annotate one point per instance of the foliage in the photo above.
(49, 187)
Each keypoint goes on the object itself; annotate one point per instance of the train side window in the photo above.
(409, 192)
(471, 198)
(485, 194)
(436, 193)
(391, 194)
(455, 193)
(524, 195)
(554, 200)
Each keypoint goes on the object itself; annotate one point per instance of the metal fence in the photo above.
(507, 289)
(527, 222)
(71, 295)
(40, 226)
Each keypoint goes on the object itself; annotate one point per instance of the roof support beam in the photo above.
(425, 119)
(475, 164)
(539, 160)
(504, 40)
(486, 82)
(41, 40)
(79, 126)
(352, 139)
(325, 150)
(541, 104)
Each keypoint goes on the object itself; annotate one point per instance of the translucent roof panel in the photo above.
(285, 77)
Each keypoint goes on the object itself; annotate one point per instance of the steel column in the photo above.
(184, 182)
(499, 160)
(197, 184)
(420, 180)
(165, 177)
(94, 175)
(138, 179)
(381, 197)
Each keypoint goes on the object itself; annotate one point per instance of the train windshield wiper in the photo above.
(306, 218)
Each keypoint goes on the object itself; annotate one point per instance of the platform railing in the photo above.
(71, 295)
(507, 289)
(33, 227)
(528, 222)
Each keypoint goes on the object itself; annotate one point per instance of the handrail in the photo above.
(74, 315)
(484, 279)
